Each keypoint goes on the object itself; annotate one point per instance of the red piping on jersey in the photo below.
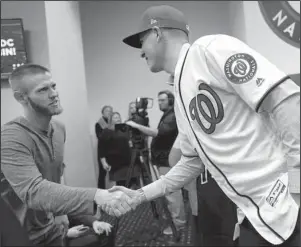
(245, 196)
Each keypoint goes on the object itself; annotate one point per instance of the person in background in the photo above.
(132, 109)
(101, 124)
(163, 138)
(115, 152)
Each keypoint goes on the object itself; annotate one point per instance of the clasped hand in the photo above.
(118, 200)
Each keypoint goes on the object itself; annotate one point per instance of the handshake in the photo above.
(118, 200)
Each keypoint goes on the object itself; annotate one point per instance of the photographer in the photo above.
(163, 139)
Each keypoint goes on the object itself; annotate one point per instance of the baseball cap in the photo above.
(158, 16)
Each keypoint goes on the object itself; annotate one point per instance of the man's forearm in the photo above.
(148, 131)
(60, 199)
(179, 175)
(283, 104)
(287, 119)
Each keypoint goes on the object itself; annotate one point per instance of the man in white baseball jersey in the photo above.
(229, 100)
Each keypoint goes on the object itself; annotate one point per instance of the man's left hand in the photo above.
(62, 219)
(99, 227)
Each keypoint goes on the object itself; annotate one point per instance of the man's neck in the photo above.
(167, 109)
(173, 55)
(37, 120)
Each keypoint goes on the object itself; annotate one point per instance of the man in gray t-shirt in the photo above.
(32, 152)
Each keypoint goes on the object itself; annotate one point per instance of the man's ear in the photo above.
(158, 33)
(20, 97)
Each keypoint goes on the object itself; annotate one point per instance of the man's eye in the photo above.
(43, 89)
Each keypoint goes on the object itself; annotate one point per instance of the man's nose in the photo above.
(53, 93)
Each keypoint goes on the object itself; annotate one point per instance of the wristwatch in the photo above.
(142, 196)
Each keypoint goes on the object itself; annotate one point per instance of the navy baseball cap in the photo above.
(158, 16)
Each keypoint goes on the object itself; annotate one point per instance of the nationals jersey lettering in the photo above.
(195, 107)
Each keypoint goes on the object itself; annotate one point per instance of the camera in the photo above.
(139, 117)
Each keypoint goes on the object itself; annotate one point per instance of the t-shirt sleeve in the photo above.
(21, 172)
(249, 73)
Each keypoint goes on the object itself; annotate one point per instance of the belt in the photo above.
(204, 176)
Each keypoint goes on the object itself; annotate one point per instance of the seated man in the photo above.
(32, 153)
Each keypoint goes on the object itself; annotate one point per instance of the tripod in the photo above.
(142, 154)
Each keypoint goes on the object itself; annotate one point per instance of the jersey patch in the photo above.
(240, 68)
(276, 191)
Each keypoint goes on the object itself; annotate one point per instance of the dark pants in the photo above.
(11, 231)
(101, 177)
(91, 239)
(250, 237)
(197, 240)
(216, 212)
(133, 181)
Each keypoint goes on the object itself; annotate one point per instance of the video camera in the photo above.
(139, 117)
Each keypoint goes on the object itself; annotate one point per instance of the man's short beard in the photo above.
(44, 110)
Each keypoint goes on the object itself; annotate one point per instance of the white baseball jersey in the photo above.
(220, 83)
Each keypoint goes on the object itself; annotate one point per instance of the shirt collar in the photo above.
(23, 121)
(180, 62)
(179, 65)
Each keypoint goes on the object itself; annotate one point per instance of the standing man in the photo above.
(163, 139)
(32, 153)
(227, 97)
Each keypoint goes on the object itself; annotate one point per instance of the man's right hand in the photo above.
(113, 203)
(136, 196)
(76, 231)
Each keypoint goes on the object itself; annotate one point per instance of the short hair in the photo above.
(131, 103)
(105, 107)
(16, 77)
(111, 117)
(171, 97)
(174, 32)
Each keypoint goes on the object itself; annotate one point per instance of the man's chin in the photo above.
(155, 69)
(57, 112)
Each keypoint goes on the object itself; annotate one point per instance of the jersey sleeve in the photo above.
(187, 169)
(249, 73)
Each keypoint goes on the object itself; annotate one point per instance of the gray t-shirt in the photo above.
(32, 163)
